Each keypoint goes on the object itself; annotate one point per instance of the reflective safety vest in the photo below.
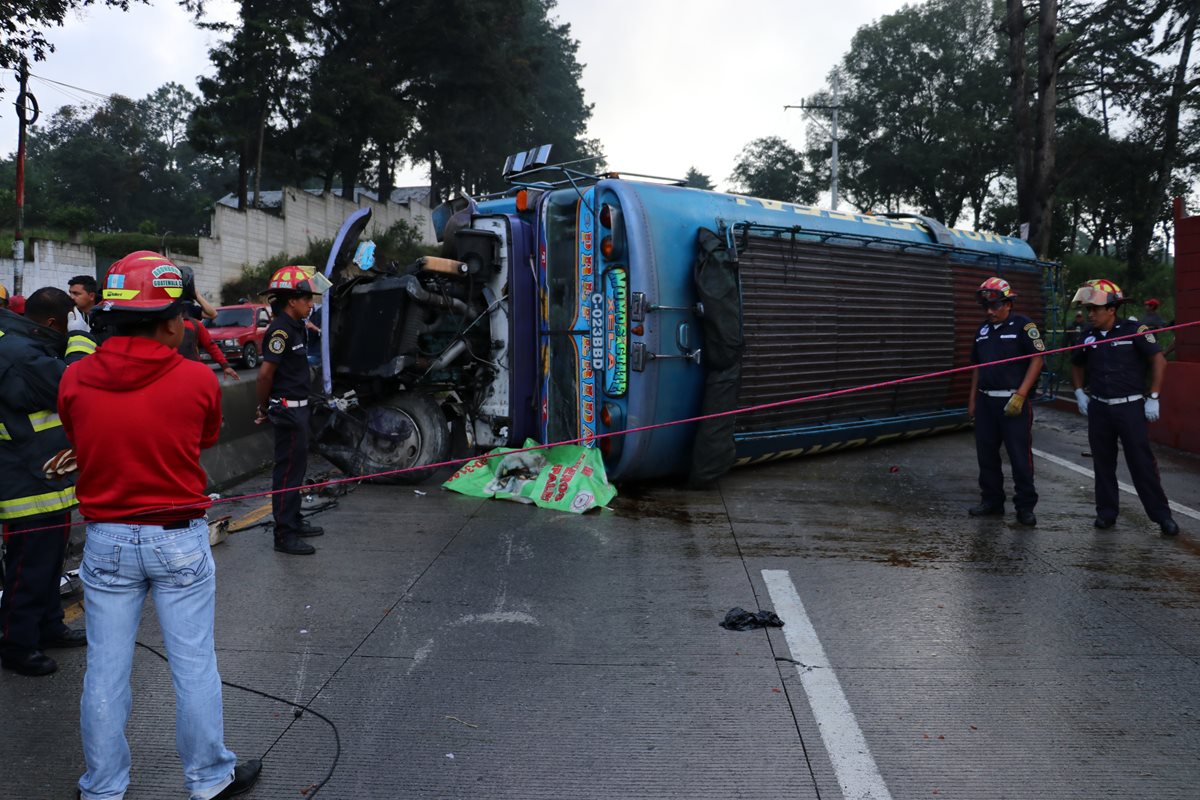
(32, 362)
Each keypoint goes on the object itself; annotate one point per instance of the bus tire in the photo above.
(407, 431)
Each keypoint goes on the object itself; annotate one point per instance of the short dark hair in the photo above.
(86, 281)
(48, 302)
(279, 302)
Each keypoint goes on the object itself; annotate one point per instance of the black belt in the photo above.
(182, 524)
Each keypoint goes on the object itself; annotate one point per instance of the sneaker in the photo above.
(986, 510)
(1169, 527)
(293, 546)
(245, 775)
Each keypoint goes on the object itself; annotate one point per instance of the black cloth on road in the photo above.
(739, 619)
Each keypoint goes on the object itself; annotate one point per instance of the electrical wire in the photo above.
(299, 710)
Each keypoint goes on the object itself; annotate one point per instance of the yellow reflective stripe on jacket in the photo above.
(44, 421)
(37, 504)
(4, 434)
(80, 344)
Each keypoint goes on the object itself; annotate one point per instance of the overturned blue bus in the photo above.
(565, 310)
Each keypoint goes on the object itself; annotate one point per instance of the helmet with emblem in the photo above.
(295, 281)
(994, 289)
(1099, 292)
(143, 284)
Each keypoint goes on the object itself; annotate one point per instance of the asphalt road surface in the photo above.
(482, 649)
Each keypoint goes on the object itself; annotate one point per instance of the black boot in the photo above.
(1169, 527)
(1026, 517)
(986, 510)
(245, 775)
(33, 663)
(292, 545)
(308, 529)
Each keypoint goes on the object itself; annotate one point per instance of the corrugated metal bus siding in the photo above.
(819, 318)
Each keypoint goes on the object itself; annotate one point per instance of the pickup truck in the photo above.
(238, 331)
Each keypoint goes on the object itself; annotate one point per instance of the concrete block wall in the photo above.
(238, 238)
(54, 264)
(247, 237)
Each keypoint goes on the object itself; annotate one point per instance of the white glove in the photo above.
(1082, 399)
(1151, 409)
(77, 321)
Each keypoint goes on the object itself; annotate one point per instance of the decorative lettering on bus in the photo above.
(586, 335)
(616, 331)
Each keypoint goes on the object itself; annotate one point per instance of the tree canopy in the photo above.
(772, 169)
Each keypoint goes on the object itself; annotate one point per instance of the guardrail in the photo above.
(243, 447)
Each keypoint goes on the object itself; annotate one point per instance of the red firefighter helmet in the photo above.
(1099, 292)
(3, 295)
(994, 289)
(142, 282)
(291, 281)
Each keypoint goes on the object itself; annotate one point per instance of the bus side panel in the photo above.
(820, 318)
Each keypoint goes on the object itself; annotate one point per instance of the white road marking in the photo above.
(852, 762)
(1178, 508)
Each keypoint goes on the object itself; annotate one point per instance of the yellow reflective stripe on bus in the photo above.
(44, 421)
(4, 435)
(37, 504)
(80, 344)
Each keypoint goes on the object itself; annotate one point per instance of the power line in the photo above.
(59, 83)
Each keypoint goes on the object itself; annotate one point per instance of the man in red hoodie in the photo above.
(138, 415)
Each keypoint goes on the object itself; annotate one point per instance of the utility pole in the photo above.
(27, 114)
(833, 134)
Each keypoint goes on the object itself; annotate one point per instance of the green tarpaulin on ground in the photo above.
(568, 477)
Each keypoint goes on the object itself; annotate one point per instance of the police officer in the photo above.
(283, 388)
(997, 401)
(1114, 375)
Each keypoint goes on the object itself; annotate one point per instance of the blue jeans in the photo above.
(121, 563)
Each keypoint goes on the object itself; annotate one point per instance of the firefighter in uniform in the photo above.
(34, 353)
(283, 388)
(997, 401)
(1110, 381)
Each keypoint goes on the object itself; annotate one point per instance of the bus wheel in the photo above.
(408, 430)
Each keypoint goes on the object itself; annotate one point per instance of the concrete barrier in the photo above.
(243, 447)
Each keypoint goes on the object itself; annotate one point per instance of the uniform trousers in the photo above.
(291, 462)
(993, 429)
(1124, 423)
(31, 609)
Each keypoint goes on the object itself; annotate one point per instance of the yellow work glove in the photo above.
(1014, 405)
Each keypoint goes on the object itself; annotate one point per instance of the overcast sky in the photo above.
(673, 84)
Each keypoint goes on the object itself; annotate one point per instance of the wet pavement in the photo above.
(466, 648)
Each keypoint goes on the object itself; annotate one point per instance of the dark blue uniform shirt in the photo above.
(1116, 369)
(1016, 336)
(285, 344)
